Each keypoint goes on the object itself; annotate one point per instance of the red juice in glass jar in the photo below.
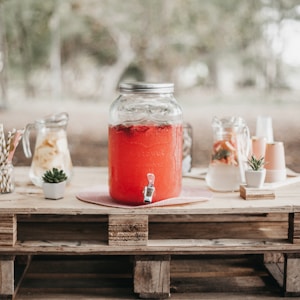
(135, 151)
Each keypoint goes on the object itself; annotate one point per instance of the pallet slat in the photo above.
(225, 224)
(152, 276)
(127, 230)
(291, 283)
(138, 229)
(84, 278)
(294, 228)
(7, 277)
(8, 230)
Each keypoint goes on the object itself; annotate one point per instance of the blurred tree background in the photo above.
(82, 49)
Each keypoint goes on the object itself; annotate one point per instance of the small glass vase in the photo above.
(7, 183)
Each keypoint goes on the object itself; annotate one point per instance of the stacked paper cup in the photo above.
(275, 162)
(263, 144)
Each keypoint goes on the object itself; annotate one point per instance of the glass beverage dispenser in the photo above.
(145, 144)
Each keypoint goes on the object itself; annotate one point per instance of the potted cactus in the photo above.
(54, 182)
(255, 175)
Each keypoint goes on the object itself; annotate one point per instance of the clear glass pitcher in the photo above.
(51, 147)
(230, 151)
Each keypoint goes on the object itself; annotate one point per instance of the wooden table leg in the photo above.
(152, 276)
(291, 279)
(291, 270)
(8, 237)
(6, 277)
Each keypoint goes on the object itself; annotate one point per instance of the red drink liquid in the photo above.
(137, 150)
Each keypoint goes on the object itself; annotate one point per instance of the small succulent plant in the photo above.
(256, 163)
(54, 176)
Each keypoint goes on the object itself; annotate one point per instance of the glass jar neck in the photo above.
(146, 87)
(53, 121)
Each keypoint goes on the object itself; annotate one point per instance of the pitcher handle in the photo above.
(244, 151)
(25, 140)
(247, 141)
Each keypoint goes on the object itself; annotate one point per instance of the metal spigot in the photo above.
(149, 189)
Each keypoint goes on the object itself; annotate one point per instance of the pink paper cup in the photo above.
(275, 176)
(259, 146)
(275, 162)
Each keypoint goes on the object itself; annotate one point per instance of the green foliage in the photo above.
(54, 176)
(27, 31)
(158, 36)
(256, 163)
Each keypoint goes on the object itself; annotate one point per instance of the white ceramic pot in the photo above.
(54, 191)
(255, 179)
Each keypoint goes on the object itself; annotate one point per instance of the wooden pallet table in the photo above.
(31, 225)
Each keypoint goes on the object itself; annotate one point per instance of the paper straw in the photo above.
(6, 179)
(10, 137)
(2, 145)
(17, 135)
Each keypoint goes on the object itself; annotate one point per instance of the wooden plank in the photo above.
(152, 276)
(94, 228)
(225, 224)
(294, 228)
(119, 295)
(62, 228)
(237, 227)
(63, 231)
(103, 294)
(219, 218)
(277, 272)
(196, 266)
(220, 274)
(291, 284)
(8, 230)
(6, 277)
(168, 246)
(83, 278)
(127, 230)
(61, 218)
(226, 230)
(21, 266)
(70, 228)
(271, 257)
(256, 193)
(222, 203)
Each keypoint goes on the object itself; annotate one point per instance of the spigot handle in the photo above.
(149, 189)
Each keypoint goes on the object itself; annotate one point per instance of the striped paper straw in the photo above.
(15, 139)
(2, 145)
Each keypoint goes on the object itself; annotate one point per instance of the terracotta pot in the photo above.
(255, 179)
(54, 191)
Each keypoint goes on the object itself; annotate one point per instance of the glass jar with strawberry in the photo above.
(145, 137)
(230, 151)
